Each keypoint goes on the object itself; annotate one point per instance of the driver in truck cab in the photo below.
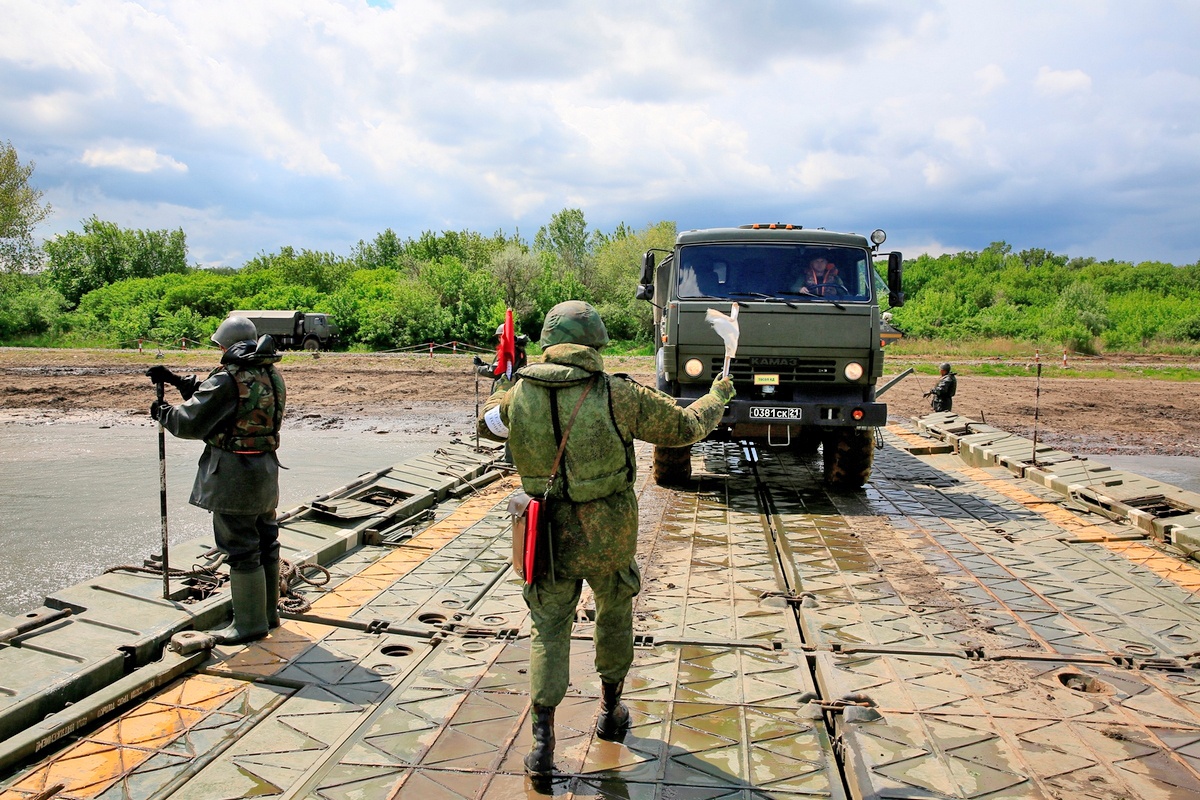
(819, 277)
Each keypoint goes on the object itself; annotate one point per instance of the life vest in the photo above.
(597, 462)
(261, 396)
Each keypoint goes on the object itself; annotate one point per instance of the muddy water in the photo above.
(76, 499)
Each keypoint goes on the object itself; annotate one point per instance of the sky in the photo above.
(1069, 125)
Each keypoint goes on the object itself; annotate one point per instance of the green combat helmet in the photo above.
(576, 322)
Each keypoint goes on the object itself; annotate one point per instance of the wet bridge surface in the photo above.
(949, 632)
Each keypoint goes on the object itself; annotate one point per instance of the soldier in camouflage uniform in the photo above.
(943, 393)
(237, 411)
(592, 506)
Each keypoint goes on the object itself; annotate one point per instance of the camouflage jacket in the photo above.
(593, 509)
(943, 393)
(229, 482)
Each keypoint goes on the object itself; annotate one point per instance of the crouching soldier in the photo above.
(237, 411)
(592, 507)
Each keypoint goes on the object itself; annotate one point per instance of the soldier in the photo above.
(237, 411)
(592, 507)
(943, 392)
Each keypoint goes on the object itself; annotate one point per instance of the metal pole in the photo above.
(1037, 404)
(162, 498)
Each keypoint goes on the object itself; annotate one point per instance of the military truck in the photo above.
(293, 330)
(809, 354)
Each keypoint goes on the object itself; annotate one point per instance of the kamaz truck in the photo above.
(293, 330)
(809, 353)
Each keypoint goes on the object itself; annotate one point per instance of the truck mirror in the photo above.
(647, 269)
(895, 273)
(644, 291)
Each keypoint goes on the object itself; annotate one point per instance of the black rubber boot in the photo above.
(540, 760)
(249, 590)
(613, 722)
(271, 571)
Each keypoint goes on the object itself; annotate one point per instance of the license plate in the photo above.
(773, 412)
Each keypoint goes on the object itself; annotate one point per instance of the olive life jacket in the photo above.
(597, 462)
(261, 398)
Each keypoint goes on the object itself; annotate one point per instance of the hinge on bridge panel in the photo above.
(643, 640)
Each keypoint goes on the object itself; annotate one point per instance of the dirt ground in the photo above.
(417, 393)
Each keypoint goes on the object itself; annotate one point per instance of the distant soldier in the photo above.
(592, 507)
(237, 411)
(943, 392)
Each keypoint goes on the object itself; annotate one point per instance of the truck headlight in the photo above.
(853, 371)
(694, 367)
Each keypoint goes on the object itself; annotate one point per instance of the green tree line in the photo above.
(110, 286)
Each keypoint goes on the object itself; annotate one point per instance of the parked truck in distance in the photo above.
(293, 330)
(809, 353)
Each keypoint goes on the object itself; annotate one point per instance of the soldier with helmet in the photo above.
(592, 506)
(236, 411)
(943, 392)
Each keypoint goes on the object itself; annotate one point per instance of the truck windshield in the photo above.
(786, 271)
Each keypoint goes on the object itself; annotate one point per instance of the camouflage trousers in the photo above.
(552, 604)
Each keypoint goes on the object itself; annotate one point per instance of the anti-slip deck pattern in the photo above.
(949, 632)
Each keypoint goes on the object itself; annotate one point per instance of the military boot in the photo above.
(271, 571)
(613, 722)
(540, 760)
(249, 590)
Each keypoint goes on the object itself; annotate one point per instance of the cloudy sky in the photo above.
(253, 124)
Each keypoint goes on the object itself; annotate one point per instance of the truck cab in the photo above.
(809, 354)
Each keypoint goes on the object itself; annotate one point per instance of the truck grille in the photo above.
(789, 370)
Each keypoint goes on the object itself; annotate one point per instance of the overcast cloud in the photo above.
(1072, 125)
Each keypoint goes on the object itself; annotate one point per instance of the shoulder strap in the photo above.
(563, 444)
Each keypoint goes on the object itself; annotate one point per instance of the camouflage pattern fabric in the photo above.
(598, 535)
(261, 399)
(552, 609)
(574, 322)
(943, 393)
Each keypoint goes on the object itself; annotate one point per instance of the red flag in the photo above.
(506, 348)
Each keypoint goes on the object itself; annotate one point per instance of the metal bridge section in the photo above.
(966, 627)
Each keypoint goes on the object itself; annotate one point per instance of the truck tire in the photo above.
(672, 465)
(849, 453)
(806, 441)
(312, 344)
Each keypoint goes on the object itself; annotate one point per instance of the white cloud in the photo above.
(133, 159)
(1057, 83)
(990, 78)
(324, 118)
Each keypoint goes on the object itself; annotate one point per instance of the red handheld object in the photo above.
(533, 518)
(506, 348)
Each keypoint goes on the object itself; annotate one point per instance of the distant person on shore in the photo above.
(236, 411)
(943, 392)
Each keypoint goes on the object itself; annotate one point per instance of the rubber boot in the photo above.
(249, 590)
(613, 722)
(271, 571)
(540, 760)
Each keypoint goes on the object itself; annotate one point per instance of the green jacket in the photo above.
(229, 482)
(593, 513)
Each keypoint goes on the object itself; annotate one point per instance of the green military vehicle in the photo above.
(809, 354)
(293, 330)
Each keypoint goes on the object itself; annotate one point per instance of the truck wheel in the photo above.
(672, 465)
(848, 456)
(806, 441)
(312, 344)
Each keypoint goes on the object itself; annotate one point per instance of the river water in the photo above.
(77, 499)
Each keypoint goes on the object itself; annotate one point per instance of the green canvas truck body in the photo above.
(809, 354)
